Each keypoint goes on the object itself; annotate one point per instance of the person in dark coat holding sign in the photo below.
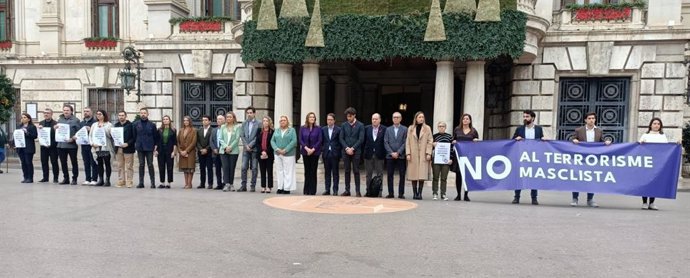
(49, 152)
(26, 154)
(588, 133)
(529, 131)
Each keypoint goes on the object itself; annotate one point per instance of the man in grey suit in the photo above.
(250, 129)
(588, 133)
(394, 143)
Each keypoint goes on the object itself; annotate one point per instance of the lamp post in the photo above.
(127, 75)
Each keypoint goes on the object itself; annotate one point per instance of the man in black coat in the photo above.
(351, 140)
(204, 137)
(146, 136)
(529, 131)
(330, 153)
(90, 166)
(125, 153)
(49, 153)
(374, 150)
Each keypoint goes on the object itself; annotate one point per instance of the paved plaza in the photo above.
(49, 230)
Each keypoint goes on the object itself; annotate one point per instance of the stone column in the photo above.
(473, 100)
(283, 99)
(443, 95)
(310, 92)
(342, 92)
(50, 28)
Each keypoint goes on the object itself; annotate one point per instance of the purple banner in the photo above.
(649, 169)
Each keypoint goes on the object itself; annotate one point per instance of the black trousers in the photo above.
(49, 154)
(311, 163)
(27, 161)
(229, 164)
(332, 172)
(165, 165)
(401, 166)
(206, 168)
(218, 162)
(104, 162)
(266, 170)
(72, 153)
(146, 159)
(352, 165)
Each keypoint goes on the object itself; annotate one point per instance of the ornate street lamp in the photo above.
(127, 75)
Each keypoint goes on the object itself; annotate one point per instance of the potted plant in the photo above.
(100, 42)
(604, 12)
(4, 45)
(200, 24)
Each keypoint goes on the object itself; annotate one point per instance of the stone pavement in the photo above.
(48, 230)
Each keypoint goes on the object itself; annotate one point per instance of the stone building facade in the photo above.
(627, 71)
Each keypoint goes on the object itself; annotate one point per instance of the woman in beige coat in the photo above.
(418, 147)
(186, 145)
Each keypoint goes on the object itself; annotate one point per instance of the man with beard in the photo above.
(146, 136)
(49, 152)
(588, 133)
(250, 160)
(125, 153)
(529, 131)
(90, 166)
(70, 147)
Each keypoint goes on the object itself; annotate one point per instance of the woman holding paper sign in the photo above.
(418, 147)
(167, 145)
(655, 134)
(463, 132)
(27, 148)
(441, 165)
(186, 145)
(102, 146)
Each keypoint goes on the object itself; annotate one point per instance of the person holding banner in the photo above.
(394, 142)
(102, 146)
(441, 165)
(90, 165)
(529, 131)
(654, 134)
(418, 146)
(588, 133)
(49, 151)
(124, 153)
(26, 147)
(463, 132)
(215, 146)
(186, 145)
(65, 135)
(165, 151)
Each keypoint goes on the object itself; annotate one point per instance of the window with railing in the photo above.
(227, 8)
(105, 18)
(6, 20)
(111, 101)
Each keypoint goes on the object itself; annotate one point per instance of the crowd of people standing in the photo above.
(405, 150)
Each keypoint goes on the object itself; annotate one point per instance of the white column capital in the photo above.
(476, 62)
(283, 67)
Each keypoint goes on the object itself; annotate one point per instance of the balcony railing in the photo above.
(599, 19)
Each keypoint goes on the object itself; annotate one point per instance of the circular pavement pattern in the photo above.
(339, 205)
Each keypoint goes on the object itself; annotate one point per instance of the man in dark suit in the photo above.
(203, 145)
(529, 131)
(588, 133)
(331, 151)
(394, 142)
(374, 151)
(49, 153)
(351, 139)
(215, 145)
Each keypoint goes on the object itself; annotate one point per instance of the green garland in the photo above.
(176, 20)
(635, 4)
(375, 38)
(7, 99)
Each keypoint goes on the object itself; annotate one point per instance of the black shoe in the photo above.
(64, 182)
(29, 181)
(23, 181)
(55, 181)
(345, 194)
(516, 200)
(252, 189)
(74, 182)
(458, 198)
(286, 192)
(534, 201)
(401, 196)
(279, 191)
(159, 187)
(390, 196)
(467, 198)
(153, 186)
(201, 187)
(106, 184)
(220, 187)
(43, 180)
(167, 187)
(242, 189)
(141, 185)
(99, 183)
(326, 193)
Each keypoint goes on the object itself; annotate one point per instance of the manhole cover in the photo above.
(339, 205)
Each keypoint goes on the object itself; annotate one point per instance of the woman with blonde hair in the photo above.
(284, 143)
(229, 149)
(266, 155)
(165, 151)
(418, 147)
(186, 146)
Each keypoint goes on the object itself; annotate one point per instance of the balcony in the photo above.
(587, 19)
(204, 29)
